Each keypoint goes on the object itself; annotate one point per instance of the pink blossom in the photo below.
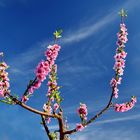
(125, 106)
(115, 93)
(24, 99)
(3, 66)
(119, 59)
(1, 83)
(117, 56)
(120, 71)
(133, 99)
(52, 52)
(52, 83)
(42, 71)
(49, 53)
(45, 66)
(123, 54)
(6, 84)
(119, 64)
(47, 108)
(79, 127)
(4, 80)
(31, 89)
(1, 93)
(113, 82)
(56, 106)
(82, 111)
(37, 84)
(119, 80)
(56, 47)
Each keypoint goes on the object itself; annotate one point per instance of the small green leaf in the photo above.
(6, 102)
(53, 135)
(123, 13)
(58, 33)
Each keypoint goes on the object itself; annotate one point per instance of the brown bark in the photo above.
(46, 128)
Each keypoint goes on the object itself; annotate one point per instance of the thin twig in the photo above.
(46, 127)
(61, 125)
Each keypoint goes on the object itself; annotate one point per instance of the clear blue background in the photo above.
(84, 63)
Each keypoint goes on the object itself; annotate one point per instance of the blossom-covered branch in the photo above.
(119, 69)
(43, 69)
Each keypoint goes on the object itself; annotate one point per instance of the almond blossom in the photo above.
(119, 69)
(125, 106)
(48, 109)
(82, 111)
(79, 127)
(43, 69)
(56, 106)
(4, 80)
(119, 59)
(53, 88)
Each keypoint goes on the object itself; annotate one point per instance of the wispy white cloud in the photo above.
(91, 28)
(2, 3)
(22, 61)
(35, 52)
(78, 35)
(103, 134)
(88, 30)
(131, 117)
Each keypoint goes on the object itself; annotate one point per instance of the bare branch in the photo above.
(46, 127)
(61, 125)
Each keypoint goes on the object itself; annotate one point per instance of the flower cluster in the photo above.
(114, 83)
(48, 109)
(4, 80)
(125, 106)
(119, 69)
(119, 59)
(82, 111)
(53, 93)
(43, 69)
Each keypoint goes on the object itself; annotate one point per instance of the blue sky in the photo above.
(84, 63)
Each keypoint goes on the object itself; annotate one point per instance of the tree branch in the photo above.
(46, 127)
(17, 102)
(96, 116)
(61, 125)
